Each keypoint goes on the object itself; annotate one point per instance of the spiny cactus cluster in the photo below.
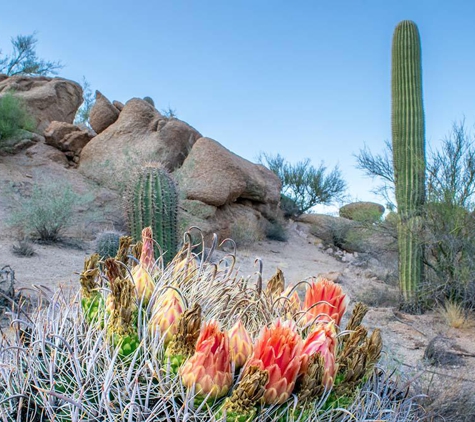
(193, 341)
(408, 142)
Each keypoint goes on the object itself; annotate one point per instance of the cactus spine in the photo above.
(152, 202)
(408, 142)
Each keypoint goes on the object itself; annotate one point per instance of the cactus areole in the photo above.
(408, 143)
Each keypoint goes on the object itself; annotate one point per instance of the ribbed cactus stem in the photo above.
(152, 202)
(408, 142)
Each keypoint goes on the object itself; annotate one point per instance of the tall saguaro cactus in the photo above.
(408, 142)
(152, 200)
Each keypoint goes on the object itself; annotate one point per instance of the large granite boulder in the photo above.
(103, 113)
(68, 138)
(46, 99)
(219, 189)
(216, 176)
(139, 135)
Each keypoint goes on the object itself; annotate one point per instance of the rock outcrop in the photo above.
(103, 113)
(216, 176)
(68, 138)
(362, 211)
(220, 188)
(46, 99)
(140, 134)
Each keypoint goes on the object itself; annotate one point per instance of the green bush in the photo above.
(305, 184)
(289, 207)
(48, 210)
(275, 230)
(13, 117)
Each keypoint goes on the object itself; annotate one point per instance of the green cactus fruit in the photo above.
(408, 142)
(93, 308)
(127, 343)
(152, 200)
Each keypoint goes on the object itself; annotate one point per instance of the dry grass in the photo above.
(455, 315)
(447, 400)
(23, 248)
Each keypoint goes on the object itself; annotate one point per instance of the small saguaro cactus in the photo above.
(408, 142)
(152, 201)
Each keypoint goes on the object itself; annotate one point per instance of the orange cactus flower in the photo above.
(322, 341)
(325, 301)
(141, 273)
(240, 344)
(165, 313)
(278, 351)
(209, 369)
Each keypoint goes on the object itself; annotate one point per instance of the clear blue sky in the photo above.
(302, 78)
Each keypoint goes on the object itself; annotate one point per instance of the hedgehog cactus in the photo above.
(408, 142)
(152, 200)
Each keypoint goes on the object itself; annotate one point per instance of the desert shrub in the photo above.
(23, 248)
(107, 243)
(169, 113)
(275, 230)
(84, 111)
(289, 207)
(350, 236)
(48, 210)
(24, 61)
(13, 117)
(246, 231)
(305, 184)
(449, 239)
